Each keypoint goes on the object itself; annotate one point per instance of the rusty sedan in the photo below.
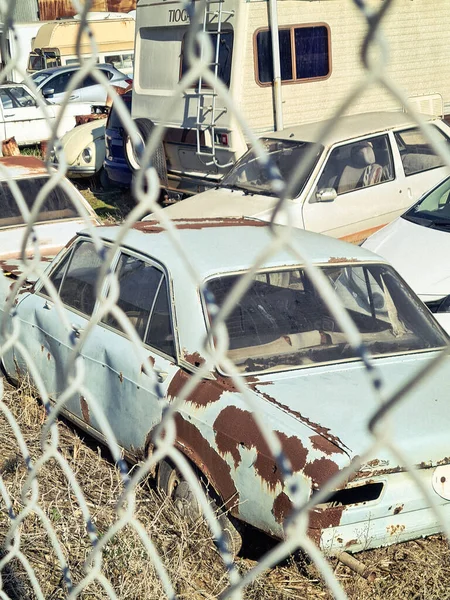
(310, 386)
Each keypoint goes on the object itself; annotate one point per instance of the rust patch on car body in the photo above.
(29, 165)
(323, 444)
(341, 259)
(324, 432)
(398, 509)
(282, 506)
(202, 223)
(207, 391)
(320, 471)
(322, 518)
(194, 359)
(235, 427)
(190, 440)
(395, 529)
(121, 377)
(85, 410)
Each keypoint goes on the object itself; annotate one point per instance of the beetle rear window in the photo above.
(282, 323)
(57, 204)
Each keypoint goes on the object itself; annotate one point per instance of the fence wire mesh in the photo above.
(76, 523)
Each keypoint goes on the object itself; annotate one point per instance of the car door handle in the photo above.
(74, 97)
(10, 115)
(77, 331)
(161, 375)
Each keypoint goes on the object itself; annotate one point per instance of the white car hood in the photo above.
(222, 203)
(73, 109)
(418, 253)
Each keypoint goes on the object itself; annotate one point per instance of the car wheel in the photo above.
(133, 154)
(172, 483)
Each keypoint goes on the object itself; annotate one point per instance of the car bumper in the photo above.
(401, 513)
(77, 171)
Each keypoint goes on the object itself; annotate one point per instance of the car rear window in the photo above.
(282, 322)
(57, 204)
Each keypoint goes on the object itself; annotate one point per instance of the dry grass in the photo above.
(412, 570)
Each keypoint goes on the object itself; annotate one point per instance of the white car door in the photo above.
(24, 119)
(360, 189)
(422, 167)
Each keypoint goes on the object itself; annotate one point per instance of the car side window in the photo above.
(143, 298)
(88, 81)
(416, 152)
(75, 278)
(22, 97)
(360, 164)
(59, 83)
(7, 101)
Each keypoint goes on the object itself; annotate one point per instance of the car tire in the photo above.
(132, 154)
(170, 481)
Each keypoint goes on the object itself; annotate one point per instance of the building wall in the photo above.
(54, 9)
(26, 11)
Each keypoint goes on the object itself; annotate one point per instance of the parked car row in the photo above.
(282, 337)
(22, 117)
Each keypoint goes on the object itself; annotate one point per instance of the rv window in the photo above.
(36, 62)
(304, 53)
(225, 54)
(115, 60)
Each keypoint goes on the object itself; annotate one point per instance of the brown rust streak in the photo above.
(206, 392)
(32, 163)
(282, 506)
(205, 223)
(235, 427)
(190, 440)
(85, 410)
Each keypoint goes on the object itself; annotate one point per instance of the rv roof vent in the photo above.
(430, 104)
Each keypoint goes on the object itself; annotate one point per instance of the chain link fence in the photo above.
(80, 521)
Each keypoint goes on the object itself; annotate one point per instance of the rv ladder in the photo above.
(208, 114)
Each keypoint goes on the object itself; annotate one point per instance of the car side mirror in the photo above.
(48, 92)
(326, 195)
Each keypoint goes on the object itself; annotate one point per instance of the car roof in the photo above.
(221, 245)
(65, 68)
(22, 166)
(349, 127)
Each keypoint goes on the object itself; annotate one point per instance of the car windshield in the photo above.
(57, 204)
(282, 323)
(39, 77)
(250, 175)
(433, 210)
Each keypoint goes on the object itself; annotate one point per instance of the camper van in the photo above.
(298, 76)
(55, 44)
(17, 45)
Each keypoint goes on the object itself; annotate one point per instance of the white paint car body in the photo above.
(406, 165)
(22, 117)
(418, 244)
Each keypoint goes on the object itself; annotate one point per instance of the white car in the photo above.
(84, 150)
(418, 244)
(370, 168)
(21, 116)
(57, 222)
